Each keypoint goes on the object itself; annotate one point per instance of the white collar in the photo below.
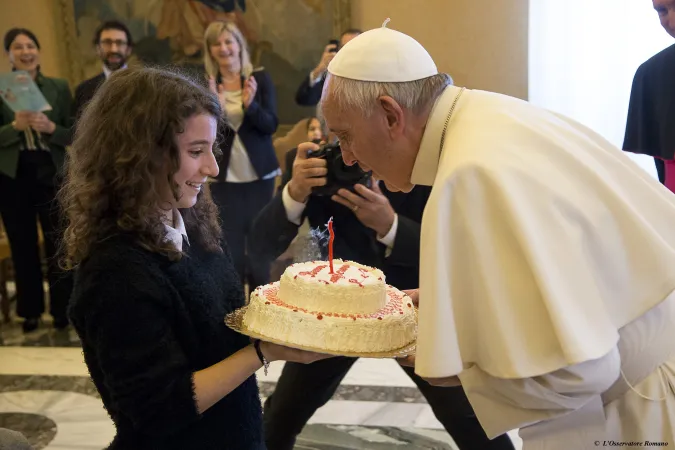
(107, 72)
(429, 154)
(177, 233)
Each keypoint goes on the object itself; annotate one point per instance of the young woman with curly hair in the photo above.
(153, 283)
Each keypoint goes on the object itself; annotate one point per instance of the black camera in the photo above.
(340, 175)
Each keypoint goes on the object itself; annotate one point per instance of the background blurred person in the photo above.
(32, 153)
(314, 130)
(113, 44)
(309, 91)
(249, 164)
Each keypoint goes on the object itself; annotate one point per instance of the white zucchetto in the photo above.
(383, 55)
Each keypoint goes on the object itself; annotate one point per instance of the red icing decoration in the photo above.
(314, 271)
(395, 304)
(352, 280)
(340, 273)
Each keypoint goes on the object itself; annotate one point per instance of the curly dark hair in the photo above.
(124, 142)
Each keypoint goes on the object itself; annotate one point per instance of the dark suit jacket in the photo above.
(260, 123)
(272, 233)
(309, 95)
(85, 92)
(650, 126)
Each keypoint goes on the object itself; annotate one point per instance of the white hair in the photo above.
(362, 95)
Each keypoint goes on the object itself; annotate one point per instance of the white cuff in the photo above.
(390, 237)
(313, 81)
(293, 209)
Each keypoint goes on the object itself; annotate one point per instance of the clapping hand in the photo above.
(248, 91)
(217, 89)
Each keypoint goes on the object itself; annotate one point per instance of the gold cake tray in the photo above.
(235, 321)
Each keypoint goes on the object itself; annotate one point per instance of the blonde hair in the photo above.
(211, 35)
(362, 95)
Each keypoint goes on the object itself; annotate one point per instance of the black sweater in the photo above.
(146, 325)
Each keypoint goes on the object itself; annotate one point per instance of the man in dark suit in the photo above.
(651, 111)
(113, 44)
(309, 92)
(378, 228)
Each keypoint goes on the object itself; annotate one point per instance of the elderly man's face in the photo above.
(378, 142)
(666, 11)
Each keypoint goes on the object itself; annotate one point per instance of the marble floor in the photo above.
(46, 394)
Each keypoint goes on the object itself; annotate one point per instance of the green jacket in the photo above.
(57, 93)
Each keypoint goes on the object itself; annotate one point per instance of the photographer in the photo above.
(375, 227)
(309, 92)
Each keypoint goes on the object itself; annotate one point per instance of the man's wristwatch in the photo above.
(261, 357)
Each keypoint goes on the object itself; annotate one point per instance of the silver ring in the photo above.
(355, 208)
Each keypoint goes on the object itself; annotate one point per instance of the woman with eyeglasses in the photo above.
(32, 153)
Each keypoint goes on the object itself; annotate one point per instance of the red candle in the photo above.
(330, 244)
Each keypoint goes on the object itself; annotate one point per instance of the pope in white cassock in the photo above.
(548, 257)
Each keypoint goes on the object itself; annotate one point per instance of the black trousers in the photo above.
(239, 204)
(302, 389)
(23, 201)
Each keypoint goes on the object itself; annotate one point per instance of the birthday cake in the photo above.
(345, 307)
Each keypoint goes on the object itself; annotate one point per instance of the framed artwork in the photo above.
(285, 37)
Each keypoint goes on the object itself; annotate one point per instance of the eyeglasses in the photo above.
(110, 42)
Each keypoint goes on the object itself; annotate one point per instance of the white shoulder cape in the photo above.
(539, 241)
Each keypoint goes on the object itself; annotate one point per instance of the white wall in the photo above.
(583, 55)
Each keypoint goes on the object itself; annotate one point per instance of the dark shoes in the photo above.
(61, 323)
(30, 324)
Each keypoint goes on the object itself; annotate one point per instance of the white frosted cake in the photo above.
(351, 310)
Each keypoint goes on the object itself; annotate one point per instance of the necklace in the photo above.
(447, 119)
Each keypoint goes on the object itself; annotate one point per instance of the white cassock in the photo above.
(547, 276)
